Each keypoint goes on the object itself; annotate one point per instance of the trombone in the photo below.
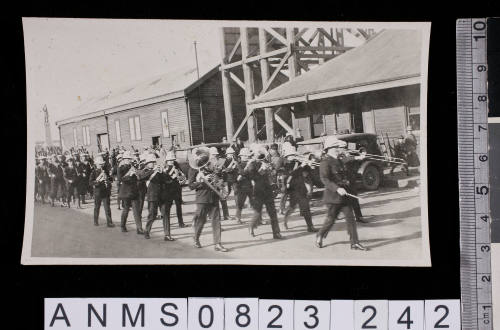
(381, 158)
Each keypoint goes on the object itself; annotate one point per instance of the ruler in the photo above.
(472, 104)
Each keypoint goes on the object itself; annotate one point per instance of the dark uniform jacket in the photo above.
(42, 174)
(154, 187)
(243, 184)
(333, 175)
(128, 186)
(297, 181)
(171, 187)
(101, 189)
(262, 187)
(229, 174)
(204, 194)
(70, 176)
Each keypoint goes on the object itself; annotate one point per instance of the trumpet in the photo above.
(231, 166)
(132, 170)
(305, 161)
(177, 175)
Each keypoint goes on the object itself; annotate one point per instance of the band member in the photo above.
(173, 190)
(298, 187)
(207, 200)
(71, 181)
(42, 178)
(230, 169)
(87, 170)
(83, 180)
(334, 177)
(243, 185)
(218, 162)
(258, 171)
(129, 192)
(100, 180)
(153, 177)
(349, 160)
(285, 175)
(118, 182)
(52, 172)
(141, 184)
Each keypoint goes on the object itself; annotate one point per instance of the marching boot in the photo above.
(220, 248)
(146, 235)
(197, 243)
(140, 231)
(110, 225)
(319, 241)
(250, 231)
(168, 238)
(277, 236)
(311, 229)
(124, 229)
(358, 246)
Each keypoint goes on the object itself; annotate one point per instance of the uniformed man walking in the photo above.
(334, 177)
(129, 192)
(100, 180)
(154, 178)
(298, 188)
(258, 171)
(207, 200)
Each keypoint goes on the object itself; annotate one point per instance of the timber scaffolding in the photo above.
(260, 59)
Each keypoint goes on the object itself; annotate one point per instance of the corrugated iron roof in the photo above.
(169, 83)
(390, 55)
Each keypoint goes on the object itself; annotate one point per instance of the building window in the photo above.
(75, 137)
(134, 124)
(164, 124)
(118, 131)
(86, 135)
(413, 118)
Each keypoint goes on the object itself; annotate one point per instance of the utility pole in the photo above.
(199, 95)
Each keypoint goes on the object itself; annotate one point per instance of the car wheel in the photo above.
(371, 178)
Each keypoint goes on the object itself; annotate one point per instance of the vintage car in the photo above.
(369, 171)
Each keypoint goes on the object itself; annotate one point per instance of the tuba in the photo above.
(199, 162)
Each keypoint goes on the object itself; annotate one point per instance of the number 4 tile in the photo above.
(406, 315)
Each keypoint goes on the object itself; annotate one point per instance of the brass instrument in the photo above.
(132, 170)
(380, 158)
(305, 161)
(214, 182)
(103, 177)
(177, 175)
(231, 166)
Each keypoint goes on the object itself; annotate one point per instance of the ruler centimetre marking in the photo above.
(472, 105)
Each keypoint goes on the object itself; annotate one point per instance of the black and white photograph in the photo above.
(226, 142)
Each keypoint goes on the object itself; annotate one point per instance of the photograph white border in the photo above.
(424, 261)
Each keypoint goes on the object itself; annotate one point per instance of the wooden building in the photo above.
(174, 108)
(373, 88)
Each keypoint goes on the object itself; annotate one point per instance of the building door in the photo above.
(102, 142)
(155, 140)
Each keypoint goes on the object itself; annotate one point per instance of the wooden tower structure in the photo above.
(260, 59)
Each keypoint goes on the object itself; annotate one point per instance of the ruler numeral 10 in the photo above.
(250, 314)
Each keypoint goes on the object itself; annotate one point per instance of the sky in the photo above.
(71, 60)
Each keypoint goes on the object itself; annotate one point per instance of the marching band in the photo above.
(251, 173)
